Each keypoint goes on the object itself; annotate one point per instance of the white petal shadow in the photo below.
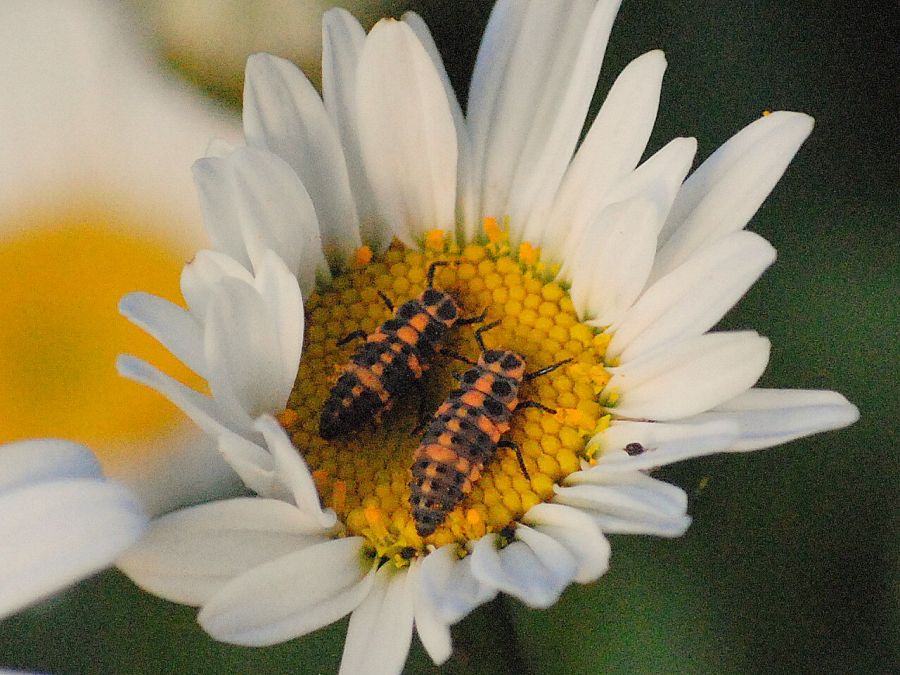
(535, 568)
(452, 588)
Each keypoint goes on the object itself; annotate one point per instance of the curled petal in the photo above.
(627, 503)
(202, 274)
(452, 588)
(253, 202)
(295, 475)
(176, 329)
(535, 568)
(575, 530)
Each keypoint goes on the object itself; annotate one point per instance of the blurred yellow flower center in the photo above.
(61, 278)
(364, 476)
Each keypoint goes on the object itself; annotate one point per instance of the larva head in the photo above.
(503, 362)
(440, 306)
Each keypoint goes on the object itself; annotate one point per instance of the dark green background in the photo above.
(791, 563)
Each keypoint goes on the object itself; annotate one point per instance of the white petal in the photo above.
(55, 533)
(202, 410)
(406, 133)
(434, 631)
(767, 417)
(189, 555)
(245, 372)
(722, 195)
(611, 150)
(689, 377)
(261, 199)
(218, 147)
(284, 114)
(549, 149)
(27, 462)
(692, 298)
(295, 475)
(203, 273)
(175, 328)
(380, 630)
(575, 530)
(342, 44)
(254, 466)
(291, 596)
(659, 178)
(452, 588)
(536, 71)
(535, 568)
(627, 503)
(614, 260)
(281, 294)
(465, 202)
(663, 443)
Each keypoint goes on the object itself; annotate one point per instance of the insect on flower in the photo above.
(392, 360)
(466, 431)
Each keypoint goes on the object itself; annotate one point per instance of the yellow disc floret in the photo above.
(365, 476)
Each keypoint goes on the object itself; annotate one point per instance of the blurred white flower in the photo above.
(210, 40)
(96, 142)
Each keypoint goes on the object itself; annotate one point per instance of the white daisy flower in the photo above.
(61, 520)
(96, 144)
(579, 253)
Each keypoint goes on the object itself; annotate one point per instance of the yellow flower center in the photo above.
(62, 274)
(364, 475)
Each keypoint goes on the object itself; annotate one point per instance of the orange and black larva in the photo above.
(466, 431)
(392, 360)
